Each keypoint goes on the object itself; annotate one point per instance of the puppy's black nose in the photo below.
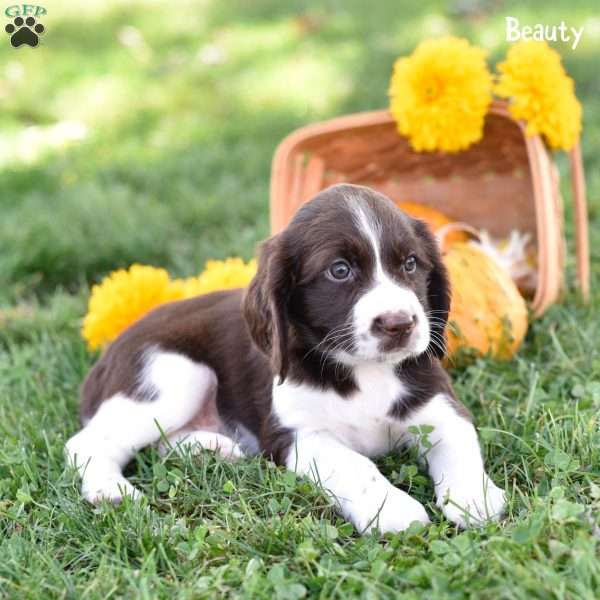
(397, 324)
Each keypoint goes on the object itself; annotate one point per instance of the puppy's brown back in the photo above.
(208, 329)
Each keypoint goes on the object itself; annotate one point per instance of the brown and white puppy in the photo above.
(330, 357)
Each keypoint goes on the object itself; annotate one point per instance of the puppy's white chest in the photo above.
(361, 420)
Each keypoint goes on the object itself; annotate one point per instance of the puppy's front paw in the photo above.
(395, 512)
(113, 489)
(473, 502)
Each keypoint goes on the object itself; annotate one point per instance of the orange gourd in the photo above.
(435, 219)
(488, 315)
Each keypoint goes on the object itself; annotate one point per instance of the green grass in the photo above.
(173, 169)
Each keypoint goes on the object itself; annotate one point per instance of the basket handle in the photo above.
(581, 221)
(444, 230)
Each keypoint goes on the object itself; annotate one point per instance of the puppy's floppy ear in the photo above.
(265, 304)
(438, 291)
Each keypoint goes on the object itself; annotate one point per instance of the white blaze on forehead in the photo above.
(371, 228)
(384, 296)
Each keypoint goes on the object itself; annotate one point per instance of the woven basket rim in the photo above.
(370, 118)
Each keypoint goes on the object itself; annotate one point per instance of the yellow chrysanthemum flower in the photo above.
(124, 296)
(541, 93)
(439, 95)
(219, 275)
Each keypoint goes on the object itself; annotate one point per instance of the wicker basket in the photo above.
(507, 181)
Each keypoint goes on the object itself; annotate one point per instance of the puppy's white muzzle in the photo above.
(389, 324)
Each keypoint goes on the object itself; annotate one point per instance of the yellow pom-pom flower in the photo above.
(439, 95)
(125, 296)
(541, 93)
(218, 275)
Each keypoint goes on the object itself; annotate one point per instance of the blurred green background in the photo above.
(143, 131)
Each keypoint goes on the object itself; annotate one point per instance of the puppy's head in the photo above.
(352, 278)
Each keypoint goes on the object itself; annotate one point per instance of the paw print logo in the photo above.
(24, 31)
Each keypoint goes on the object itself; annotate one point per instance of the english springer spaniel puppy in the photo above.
(331, 357)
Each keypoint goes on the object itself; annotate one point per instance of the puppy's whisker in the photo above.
(434, 336)
(439, 345)
(339, 364)
(343, 329)
(343, 344)
(334, 342)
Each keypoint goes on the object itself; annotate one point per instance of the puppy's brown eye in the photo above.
(340, 270)
(410, 264)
